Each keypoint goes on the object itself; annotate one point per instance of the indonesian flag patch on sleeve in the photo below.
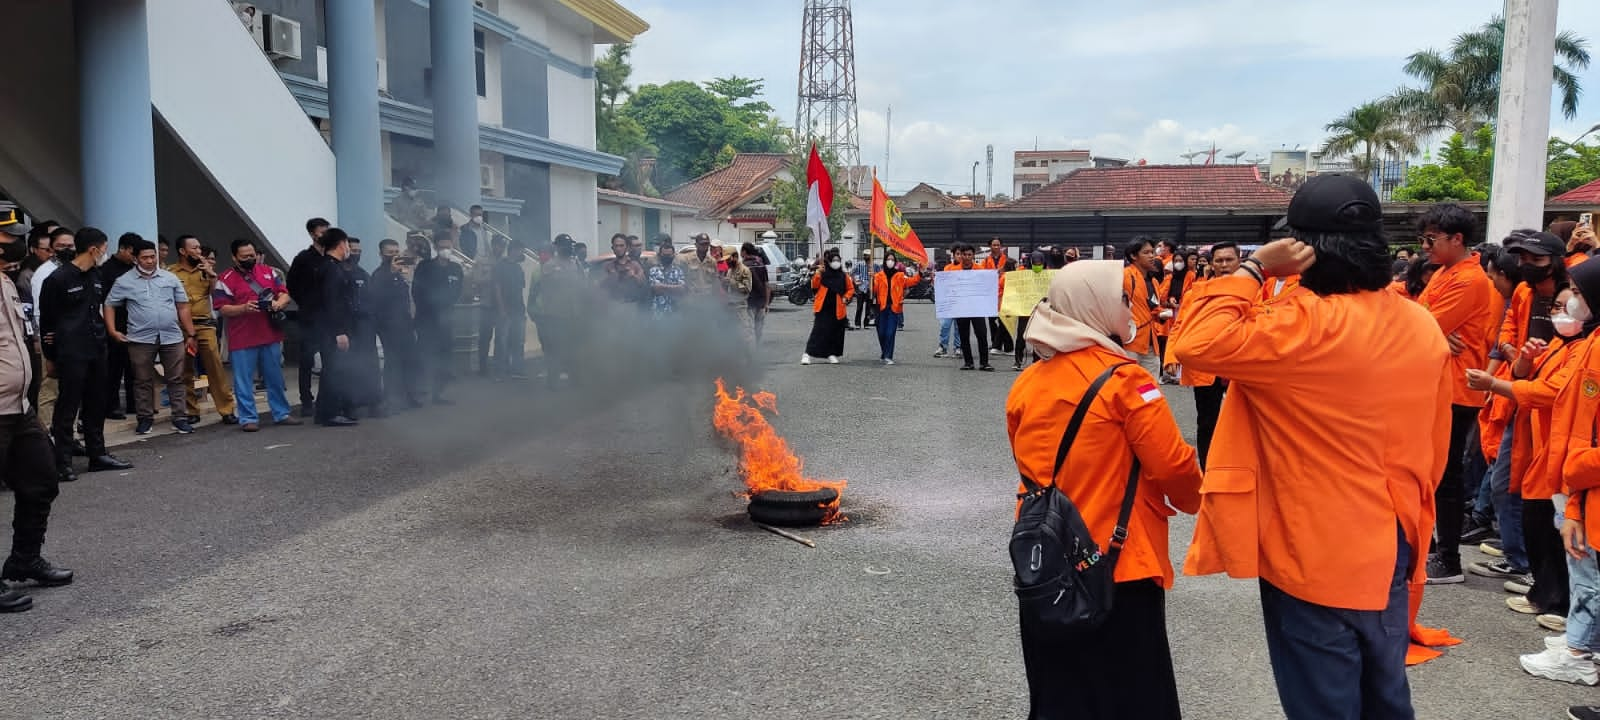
(1149, 392)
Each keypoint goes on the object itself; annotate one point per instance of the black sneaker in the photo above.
(1583, 712)
(1519, 585)
(145, 425)
(1444, 572)
(1477, 533)
(1495, 569)
(182, 426)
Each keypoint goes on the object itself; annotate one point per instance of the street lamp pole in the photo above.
(975, 164)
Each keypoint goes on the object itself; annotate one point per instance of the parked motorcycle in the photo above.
(800, 292)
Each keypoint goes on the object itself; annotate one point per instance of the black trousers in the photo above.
(37, 364)
(1546, 557)
(119, 378)
(1121, 670)
(1452, 492)
(29, 470)
(1002, 339)
(967, 327)
(364, 376)
(336, 395)
(307, 360)
(400, 370)
(434, 348)
(1020, 342)
(1207, 406)
(81, 384)
(864, 308)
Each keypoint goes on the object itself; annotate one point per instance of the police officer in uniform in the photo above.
(388, 301)
(74, 333)
(435, 291)
(335, 330)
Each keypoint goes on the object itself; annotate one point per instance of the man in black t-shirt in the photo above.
(507, 284)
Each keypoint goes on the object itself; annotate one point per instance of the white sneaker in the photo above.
(887, 361)
(1520, 604)
(1561, 665)
(805, 359)
(1556, 642)
(833, 359)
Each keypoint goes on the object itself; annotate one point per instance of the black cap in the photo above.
(1539, 243)
(564, 239)
(1334, 203)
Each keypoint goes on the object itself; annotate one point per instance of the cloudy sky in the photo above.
(1150, 80)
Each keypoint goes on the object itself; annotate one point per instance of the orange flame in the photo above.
(765, 461)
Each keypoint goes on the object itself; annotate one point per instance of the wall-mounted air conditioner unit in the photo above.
(282, 36)
(487, 177)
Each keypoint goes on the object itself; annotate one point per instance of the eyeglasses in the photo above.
(1429, 239)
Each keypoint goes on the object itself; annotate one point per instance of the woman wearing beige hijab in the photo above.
(1122, 669)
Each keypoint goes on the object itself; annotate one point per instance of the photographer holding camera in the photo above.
(252, 297)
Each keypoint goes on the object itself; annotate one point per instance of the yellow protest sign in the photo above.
(1024, 289)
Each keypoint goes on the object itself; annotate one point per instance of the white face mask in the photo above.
(1178, 266)
(889, 263)
(1566, 325)
(1133, 332)
(1578, 309)
(835, 264)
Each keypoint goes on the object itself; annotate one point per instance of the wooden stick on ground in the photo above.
(785, 533)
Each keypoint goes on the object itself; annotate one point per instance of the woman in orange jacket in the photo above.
(889, 293)
(1079, 332)
(834, 290)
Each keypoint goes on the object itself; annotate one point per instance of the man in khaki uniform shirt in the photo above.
(700, 268)
(199, 277)
(27, 459)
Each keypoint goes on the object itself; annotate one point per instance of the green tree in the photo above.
(1474, 156)
(1434, 183)
(736, 90)
(791, 195)
(1570, 166)
(616, 133)
(692, 127)
(1460, 87)
(1373, 128)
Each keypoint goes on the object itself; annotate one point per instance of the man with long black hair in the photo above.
(1314, 484)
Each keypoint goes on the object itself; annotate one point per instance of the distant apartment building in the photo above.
(1034, 169)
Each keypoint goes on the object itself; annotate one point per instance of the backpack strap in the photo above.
(1071, 432)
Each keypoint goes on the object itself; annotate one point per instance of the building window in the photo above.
(922, 205)
(479, 57)
(1028, 188)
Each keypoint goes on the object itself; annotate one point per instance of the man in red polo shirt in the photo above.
(252, 296)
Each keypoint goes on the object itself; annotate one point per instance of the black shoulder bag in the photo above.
(1064, 581)
(264, 298)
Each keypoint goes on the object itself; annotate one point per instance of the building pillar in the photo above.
(352, 28)
(1522, 131)
(116, 129)
(455, 103)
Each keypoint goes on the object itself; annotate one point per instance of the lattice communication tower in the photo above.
(827, 107)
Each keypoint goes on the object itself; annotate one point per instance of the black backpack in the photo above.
(1064, 580)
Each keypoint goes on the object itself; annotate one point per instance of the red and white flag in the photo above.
(819, 199)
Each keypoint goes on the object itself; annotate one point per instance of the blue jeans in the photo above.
(888, 325)
(945, 326)
(1507, 509)
(268, 361)
(1335, 664)
(1583, 582)
(1475, 472)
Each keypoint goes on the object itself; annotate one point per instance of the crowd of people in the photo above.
(1362, 414)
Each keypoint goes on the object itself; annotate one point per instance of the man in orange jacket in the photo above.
(1140, 287)
(1458, 296)
(1314, 484)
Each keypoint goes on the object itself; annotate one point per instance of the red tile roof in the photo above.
(720, 189)
(1157, 187)
(1589, 193)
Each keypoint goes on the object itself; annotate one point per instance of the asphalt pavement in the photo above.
(583, 554)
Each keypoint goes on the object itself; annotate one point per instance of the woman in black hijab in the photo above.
(834, 291)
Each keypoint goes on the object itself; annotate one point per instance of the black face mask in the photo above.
(1535, 274)
(353, 259)
(66, 256)
(191, 260)
(247, 265)
(636, 254)
(13, 252)
(666, 259)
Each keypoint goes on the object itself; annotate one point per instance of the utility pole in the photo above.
(1522, 129)
(975, 164)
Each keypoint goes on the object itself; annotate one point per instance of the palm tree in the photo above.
(1461, 88)
(1375, 128)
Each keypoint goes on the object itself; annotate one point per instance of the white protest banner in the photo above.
(966, 293)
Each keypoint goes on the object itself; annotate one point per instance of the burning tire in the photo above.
(793, 509)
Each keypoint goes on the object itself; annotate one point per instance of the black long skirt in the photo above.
(827, 330)
(1119, 671)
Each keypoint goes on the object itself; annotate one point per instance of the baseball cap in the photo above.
(11, 225)
(1334, 203)
(1538, 243)
(564, 239)
(700, 237)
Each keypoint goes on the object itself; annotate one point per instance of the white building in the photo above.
(266, 114)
